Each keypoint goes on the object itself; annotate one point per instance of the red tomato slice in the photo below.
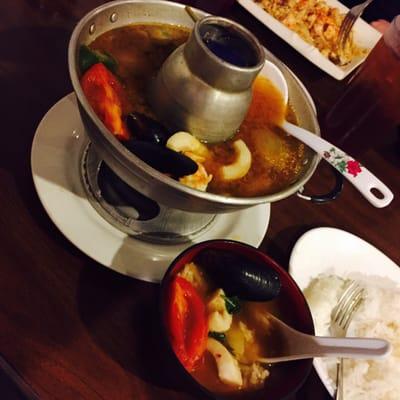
(106, 95)
(186, 322)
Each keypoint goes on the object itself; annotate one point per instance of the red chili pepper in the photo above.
(186, 322)
(106, 96)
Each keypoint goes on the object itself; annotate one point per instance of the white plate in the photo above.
(365, 36)
(55, 159)
(337, 252)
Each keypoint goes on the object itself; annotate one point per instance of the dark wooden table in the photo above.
(72, 328)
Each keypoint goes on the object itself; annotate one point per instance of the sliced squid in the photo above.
(219, 320)
(185, 142)
(242, 163)
(191, 147)
(228, 368)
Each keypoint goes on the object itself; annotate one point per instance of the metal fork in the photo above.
(341, 316)
(351, 17)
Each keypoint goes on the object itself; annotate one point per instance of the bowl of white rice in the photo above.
(378, 316)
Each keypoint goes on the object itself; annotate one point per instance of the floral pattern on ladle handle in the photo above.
(359, 176)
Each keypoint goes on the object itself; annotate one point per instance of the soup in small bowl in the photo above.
(215, 301)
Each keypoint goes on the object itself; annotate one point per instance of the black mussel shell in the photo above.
(120, 195)
(161, 158)
(240, 276)
(145, 128)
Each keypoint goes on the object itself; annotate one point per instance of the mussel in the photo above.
(147, 129)
(240, 276)
(122, 196)
(161, 158)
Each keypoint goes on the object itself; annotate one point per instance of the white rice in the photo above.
(379, 317)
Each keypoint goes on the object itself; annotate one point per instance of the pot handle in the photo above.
(324, 198)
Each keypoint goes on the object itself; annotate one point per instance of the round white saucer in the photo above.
(55, 159)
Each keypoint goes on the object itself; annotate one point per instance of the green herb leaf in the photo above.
(232, 304)
(220, 336)
(89, 57)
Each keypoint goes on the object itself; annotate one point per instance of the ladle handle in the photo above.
(192, 15)
(366, 348)
(308, 346)
(357, 174)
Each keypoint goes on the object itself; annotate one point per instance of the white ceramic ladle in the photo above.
(295, 345)
(357, 174)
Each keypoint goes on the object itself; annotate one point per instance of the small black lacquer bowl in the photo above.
(285, 378)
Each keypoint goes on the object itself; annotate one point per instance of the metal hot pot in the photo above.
(193, 206)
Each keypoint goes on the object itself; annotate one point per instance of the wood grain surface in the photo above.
(74, 329)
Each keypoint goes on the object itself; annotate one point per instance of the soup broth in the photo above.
(140, 50)
(218, 331)
(276, 159)
(263, 345)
